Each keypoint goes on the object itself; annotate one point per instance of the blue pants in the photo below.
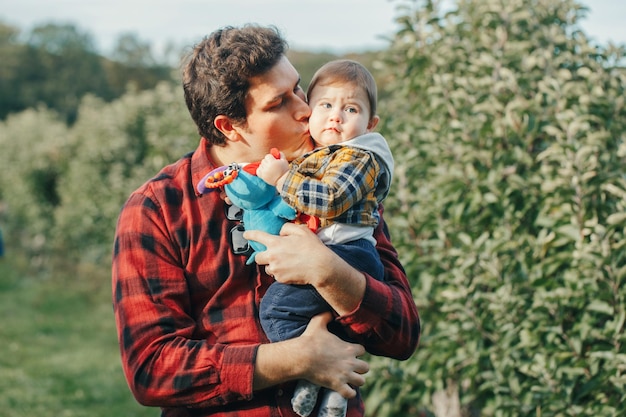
(286, 309)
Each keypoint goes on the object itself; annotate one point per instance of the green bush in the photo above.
(509, 211)
(62, 188)
(121, 145)
(34, 145)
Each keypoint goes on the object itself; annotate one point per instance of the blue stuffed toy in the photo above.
(263, 208)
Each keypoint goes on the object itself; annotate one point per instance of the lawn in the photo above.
(58, 349)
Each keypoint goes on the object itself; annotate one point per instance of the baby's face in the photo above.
(339, 112)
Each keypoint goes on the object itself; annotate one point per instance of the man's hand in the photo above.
(334, 364)
(297, 256)
(317, 356)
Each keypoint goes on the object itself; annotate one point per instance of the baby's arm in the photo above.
(273, 169)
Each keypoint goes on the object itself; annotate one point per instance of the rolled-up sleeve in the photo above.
(387, 321)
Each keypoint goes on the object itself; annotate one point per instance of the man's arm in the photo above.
(165, 361)
(317, 355)
(297, 256)
(380, 315)
(387, 321)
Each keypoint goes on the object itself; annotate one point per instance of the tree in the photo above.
(60, 66)
(10, 68)
(509, 210)
(58, 39)
(133, 52)
(134, 67)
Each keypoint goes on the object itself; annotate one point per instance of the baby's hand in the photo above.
(272, 168)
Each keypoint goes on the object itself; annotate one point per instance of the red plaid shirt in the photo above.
(186, 306)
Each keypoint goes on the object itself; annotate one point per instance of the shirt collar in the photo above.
(201, 163)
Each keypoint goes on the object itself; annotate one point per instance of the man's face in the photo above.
(277, 113)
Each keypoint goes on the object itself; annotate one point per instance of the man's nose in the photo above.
(303, 111)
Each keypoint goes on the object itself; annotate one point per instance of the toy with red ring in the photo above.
(218, 178)
(263, 208)
(223, 175)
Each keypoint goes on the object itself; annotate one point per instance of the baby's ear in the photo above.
(371, 125)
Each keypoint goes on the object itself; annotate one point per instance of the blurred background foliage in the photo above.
(508, 206)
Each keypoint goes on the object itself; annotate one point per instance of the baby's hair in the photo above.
(347, 71)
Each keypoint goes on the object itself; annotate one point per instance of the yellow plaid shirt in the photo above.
(335, 183)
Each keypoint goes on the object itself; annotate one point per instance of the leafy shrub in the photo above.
(34, 144)
(62, 187)
(509, 210)
(121, 145)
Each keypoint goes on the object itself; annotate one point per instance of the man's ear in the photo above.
(226, 126)
(372, 123)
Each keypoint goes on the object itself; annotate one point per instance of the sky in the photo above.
(315, 25)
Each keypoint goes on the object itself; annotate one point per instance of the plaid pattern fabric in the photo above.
(335, 183)
(186, 307)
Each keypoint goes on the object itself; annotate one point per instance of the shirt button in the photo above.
(280, 392)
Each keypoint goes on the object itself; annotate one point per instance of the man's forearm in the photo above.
(317, 355)
(343, 287)
(275, 364)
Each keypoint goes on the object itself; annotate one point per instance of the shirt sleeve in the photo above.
(164, 364)
(348, 178)
(387, 321)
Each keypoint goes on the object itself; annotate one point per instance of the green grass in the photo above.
(58, 347)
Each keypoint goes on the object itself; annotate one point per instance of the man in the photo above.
(185, 301)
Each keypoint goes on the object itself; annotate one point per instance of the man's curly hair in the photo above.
(217, 73)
